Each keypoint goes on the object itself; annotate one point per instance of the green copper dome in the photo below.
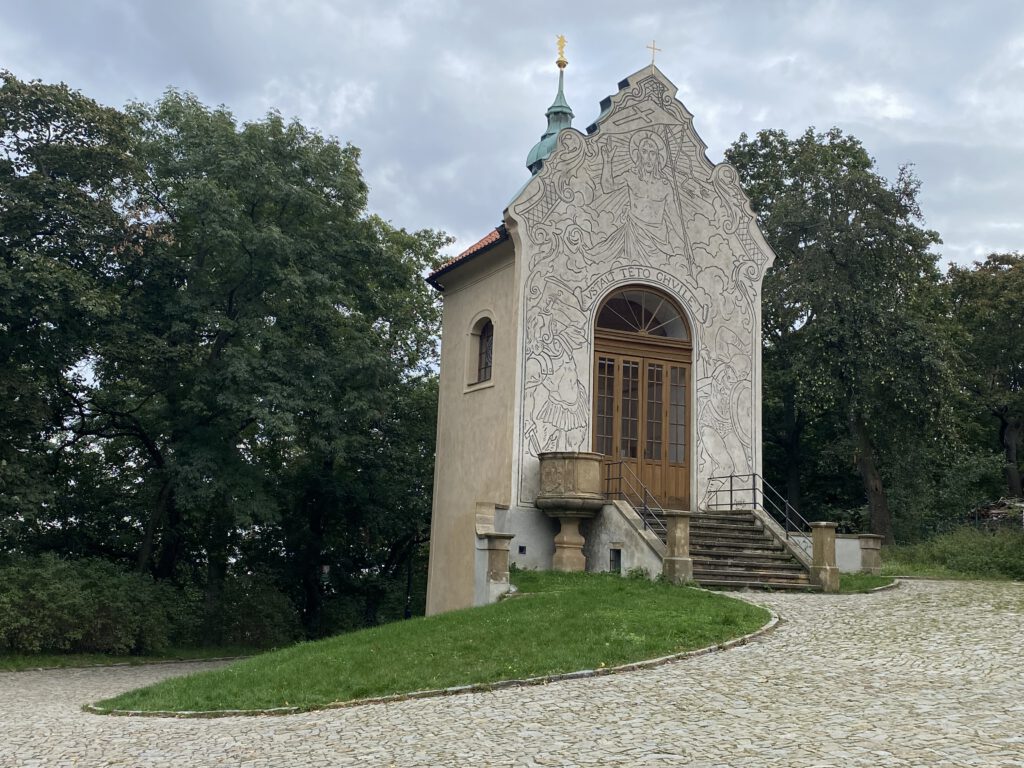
(559, 116)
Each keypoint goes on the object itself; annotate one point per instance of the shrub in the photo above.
(928, 502)
(90, 606)
(256, 613)
(968, 551)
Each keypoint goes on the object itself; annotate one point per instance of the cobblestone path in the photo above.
(929, 674)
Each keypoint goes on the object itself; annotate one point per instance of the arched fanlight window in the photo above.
(634, 310)
(485, 353)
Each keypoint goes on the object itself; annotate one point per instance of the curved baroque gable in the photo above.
(637, 201)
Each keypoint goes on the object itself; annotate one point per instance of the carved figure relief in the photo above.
(640, 208)
(724, 408)
(556, 348)
(637, 201)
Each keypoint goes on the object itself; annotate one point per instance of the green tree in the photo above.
(262, 308)
(987, 304)
(850, 306)
(65, 168)
(358, 504)
(217, 364)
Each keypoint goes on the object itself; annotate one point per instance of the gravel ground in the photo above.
(929, 674)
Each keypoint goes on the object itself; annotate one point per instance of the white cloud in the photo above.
(445, 98)
(350, 102)
(870, 100)
(993, 96)
(332, 107)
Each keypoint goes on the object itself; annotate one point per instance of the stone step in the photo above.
(749, 562)
(725, 512)
(748, 574)
(767, 549)
(722, 534)
(747, 531)
(731, 550)
(744, 517)
(719, 539)
(729, 584)
(705, 525)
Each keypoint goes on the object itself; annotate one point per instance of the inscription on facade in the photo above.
(633, 272)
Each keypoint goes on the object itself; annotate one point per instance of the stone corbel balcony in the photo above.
(570, 490)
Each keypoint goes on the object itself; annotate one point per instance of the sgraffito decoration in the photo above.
(637, 202)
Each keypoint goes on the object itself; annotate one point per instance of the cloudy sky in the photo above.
(446, 98)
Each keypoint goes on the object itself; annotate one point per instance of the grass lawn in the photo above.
(902, 566)
(17, 662)
(559, 623)
(862, 582)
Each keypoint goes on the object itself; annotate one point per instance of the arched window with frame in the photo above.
(485, 352)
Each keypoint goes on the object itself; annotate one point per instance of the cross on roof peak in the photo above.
(654, 49)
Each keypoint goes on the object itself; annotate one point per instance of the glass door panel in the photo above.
(604, 416)
(653, 418)
(629, 437)
(677, 415)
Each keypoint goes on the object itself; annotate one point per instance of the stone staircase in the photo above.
(732, 550)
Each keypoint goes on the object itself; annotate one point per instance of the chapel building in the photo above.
(613, 317)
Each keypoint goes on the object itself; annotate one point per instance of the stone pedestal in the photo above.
(497, 557)
(570, 490)
(496, 544)
(569, 546)
(870, 553)
(678, 566)
(824, 571)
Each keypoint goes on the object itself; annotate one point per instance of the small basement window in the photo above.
(615, 560)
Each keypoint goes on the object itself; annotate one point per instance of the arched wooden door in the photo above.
(642, 354)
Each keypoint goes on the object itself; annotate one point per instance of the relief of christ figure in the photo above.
(648, 225)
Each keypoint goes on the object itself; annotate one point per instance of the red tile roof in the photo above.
(492, 238)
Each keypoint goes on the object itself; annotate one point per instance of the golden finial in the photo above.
(654, 50)
(561, 61)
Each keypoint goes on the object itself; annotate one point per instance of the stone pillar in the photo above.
(870, 553)
(570, 489)
(497, 557)
(677, 566)
(823, 559)
(569, 545)
(496, 545)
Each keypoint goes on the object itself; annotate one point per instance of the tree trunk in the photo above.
(164, 498)
(156, 519)
(878, 503)
(793, 425)
(1009, 435)
(373, 595)
(218, 551)
(313, 602)
(319, 499)
(172, 539)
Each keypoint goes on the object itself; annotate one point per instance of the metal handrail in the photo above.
(631, 489)
(751, 491)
